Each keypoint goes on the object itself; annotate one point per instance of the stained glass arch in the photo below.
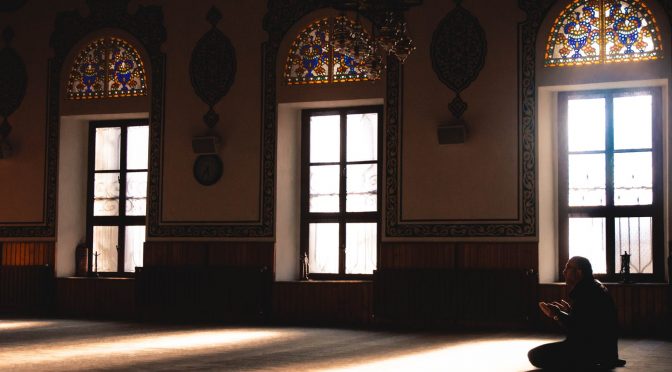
(327, 51)
(107, 67)
(603, 31)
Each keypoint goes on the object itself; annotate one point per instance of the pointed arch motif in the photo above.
(107, 67)
(603, 31)
(325, 52)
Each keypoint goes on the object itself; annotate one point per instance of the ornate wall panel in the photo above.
(526, 224)
(212, 67)
(458, 53)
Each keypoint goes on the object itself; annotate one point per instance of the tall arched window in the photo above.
(603, 31)
(327, 52)
(107, 67)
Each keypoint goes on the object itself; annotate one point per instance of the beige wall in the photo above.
(476, 180)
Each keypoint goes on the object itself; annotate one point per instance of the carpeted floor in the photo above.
(73, 345)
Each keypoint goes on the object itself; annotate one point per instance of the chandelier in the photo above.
(389, 35)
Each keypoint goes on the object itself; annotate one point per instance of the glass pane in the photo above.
(631, 34)
(138, 147)
(136, 193)
(308, 57)
(352, 58)
(105, 242)
(632, 122)
(633, 235)
(106, 194)
(586, 180)
(323, 248)
(324, 186)
(125, 70)
(362, 137)
(325, 135)
(587, 239)
(585, 124)
(135, 238)
(360, 248)
(362, 186)
(575, 36)
(87, 77)
(108, 148)
(633, 179)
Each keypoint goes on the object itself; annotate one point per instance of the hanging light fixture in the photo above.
(391, 36)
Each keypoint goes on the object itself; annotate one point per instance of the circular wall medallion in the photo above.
(208, 169)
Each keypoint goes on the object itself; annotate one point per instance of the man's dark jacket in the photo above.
(592, 325)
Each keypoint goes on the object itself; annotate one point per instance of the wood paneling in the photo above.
(203, 293)
(241, 254)
(109, 298)
(415, 255)
(323, 302)
(26, 289)
(27, 253)
(643, 309)
(447, 297)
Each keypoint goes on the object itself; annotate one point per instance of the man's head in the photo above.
(577, 269)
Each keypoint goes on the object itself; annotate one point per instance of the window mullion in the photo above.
(609, 175)
(342, 196)
(122, 199)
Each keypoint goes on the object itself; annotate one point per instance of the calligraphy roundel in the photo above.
(458, 49)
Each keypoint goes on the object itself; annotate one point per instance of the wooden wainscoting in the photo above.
(26, 289)
(643, 309)
(462, 255)
(493, 298)
(200, 293)
(104, 298)
(27, 277)
(230, 254)
(323, 302)
(27, 253)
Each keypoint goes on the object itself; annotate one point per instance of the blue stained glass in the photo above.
(107, 67)
(325, 51)
(87, 76)
(308, 60)
(598, 31)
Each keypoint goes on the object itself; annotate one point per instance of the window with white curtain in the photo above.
(117, 196)
(340, 191)
(611, 185)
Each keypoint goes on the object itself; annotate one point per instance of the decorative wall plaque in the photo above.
(458, 53)
(13, 81)
(212, 67)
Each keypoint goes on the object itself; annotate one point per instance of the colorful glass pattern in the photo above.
(125, 70)
(598, 31)
(326, 52)
(308, 60)
(630, 32)
(107, 68)
(87, 77)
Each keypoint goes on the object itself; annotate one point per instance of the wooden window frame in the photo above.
(610, 212)
(122, 220)
(342, 217)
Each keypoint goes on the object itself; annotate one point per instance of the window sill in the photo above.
(97, 278)
(323, 281)
(617, 284)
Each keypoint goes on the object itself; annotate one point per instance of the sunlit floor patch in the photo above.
(477, 355)
(122, 350)
(23, 324)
